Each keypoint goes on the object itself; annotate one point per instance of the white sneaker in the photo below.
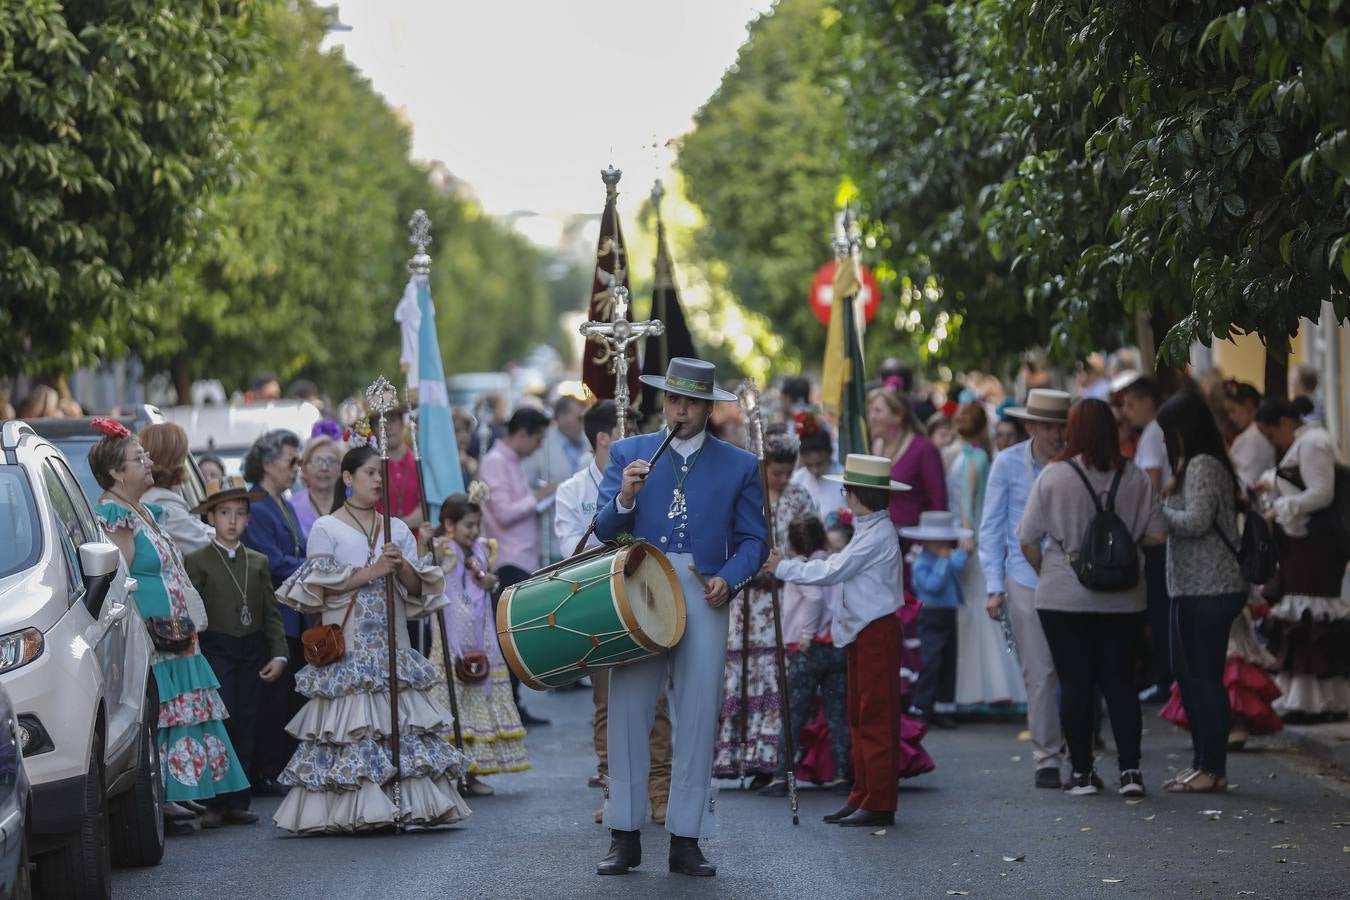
(1080, 785)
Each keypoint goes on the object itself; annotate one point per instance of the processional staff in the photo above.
(419, 265)
(750, 400)
(381, 397)
(618, 335)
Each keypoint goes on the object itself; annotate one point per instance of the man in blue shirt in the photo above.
(1009, 578)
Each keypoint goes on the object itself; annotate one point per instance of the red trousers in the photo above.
(874, 714)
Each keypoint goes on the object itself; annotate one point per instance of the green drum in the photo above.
(600, 609)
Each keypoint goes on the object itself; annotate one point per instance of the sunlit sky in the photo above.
(529, 100)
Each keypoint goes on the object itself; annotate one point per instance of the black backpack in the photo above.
(1256, 554)
(1107, 559)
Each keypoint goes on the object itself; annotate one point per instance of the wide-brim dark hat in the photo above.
(219, 490)
(690, 377)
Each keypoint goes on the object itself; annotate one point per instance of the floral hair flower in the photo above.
(327, 428)
(806, 424)
(111, 428)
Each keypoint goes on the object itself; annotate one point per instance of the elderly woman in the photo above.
(274, 531)
(323, 492)
(194, 748)
(167, 445)
(1309, 622)
(1093, 634)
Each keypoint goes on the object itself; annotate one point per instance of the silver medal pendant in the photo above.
(677, 506)
(245, 617)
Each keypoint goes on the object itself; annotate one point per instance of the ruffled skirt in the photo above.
(494, 739)
(197, 760)
(342, 776)
(988, 677)
(819, 766)
(764, 715)
(1310, 636)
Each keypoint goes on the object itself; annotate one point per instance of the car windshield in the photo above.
(20, 534)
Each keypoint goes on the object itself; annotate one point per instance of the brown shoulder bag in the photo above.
(325, 644)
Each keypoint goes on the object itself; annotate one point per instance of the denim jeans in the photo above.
(1199, 641)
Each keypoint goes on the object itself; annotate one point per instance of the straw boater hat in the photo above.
(690, 377)
(1125, 379)
(936, 525)
(1044, 405)
(231, 487)
(861, 470)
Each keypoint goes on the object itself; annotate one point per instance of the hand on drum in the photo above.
(634, 477)
(716, 592)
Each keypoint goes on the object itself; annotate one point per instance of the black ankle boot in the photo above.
(625, 852)
(687, 859)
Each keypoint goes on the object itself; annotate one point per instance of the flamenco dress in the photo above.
(758, 753)
(341, 778)
(494, 739)
(196, 757)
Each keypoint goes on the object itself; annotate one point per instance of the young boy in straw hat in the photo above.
(936, 576)
(864, 621)
(244, 641)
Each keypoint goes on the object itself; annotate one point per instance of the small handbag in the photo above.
(472, 667)
(171, 634)
(324, 644)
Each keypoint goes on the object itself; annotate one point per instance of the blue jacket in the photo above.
(724, 528)
(937, 580)
(268, 533)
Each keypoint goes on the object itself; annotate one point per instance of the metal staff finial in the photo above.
(419, 235)
(754, 432)
(658, 194)
(382, 398)
(610, 176)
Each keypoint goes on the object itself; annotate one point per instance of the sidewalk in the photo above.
(1329, 743)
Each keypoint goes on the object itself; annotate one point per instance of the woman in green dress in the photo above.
(196, 757)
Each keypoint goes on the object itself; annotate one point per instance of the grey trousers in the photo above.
(695, 667)
(1038, 672)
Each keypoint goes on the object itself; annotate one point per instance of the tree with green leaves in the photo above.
(113, 131)
(298, 268)
(763, 166)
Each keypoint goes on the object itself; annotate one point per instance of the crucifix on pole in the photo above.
(618, 335)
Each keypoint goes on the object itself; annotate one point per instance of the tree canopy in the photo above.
(291, 258)
(113, 130)
(1048, 172)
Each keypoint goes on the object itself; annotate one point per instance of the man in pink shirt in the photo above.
(511, 513)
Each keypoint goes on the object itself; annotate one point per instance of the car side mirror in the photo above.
(99, 560)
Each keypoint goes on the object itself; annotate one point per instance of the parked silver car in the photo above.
(75, 660)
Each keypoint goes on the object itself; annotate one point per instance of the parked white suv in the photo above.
(75, 659)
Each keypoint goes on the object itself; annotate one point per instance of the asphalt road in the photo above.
(975, 827)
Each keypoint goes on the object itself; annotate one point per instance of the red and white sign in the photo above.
(822, 292)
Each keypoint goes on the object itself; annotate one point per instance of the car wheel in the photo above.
(82, 868)
(138, 814)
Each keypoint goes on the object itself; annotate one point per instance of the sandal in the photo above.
(1199, 782)
(1180, 776)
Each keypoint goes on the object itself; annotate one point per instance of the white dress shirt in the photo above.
(685, 447)
(868, 568)
(1314, 454)
(1252, 455)
(576, 502)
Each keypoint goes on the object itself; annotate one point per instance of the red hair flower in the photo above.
(111, 427)
(806, 423)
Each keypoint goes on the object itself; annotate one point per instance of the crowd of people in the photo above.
(1096, 548)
